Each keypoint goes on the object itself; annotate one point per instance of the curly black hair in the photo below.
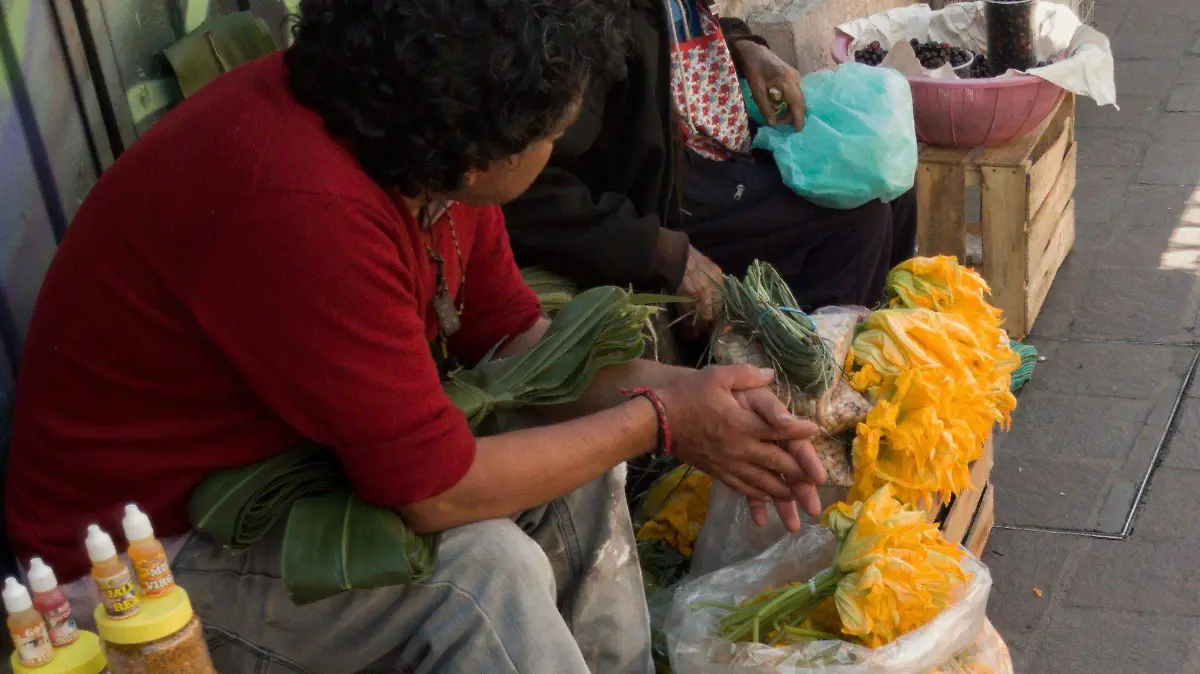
(426, 90)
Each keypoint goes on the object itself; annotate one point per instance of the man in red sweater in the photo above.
(272, 262)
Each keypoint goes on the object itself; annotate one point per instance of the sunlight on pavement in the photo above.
(1183, 248)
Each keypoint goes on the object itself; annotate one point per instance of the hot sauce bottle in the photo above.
(146, 554)
(49, 600)
(25, 624)
(113, 581)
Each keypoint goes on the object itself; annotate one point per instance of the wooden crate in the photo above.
(981, 525)
(1024, 194)
(956, 518)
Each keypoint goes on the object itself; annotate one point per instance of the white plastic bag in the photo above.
(692, 628)
(988, 655)
(730, 535)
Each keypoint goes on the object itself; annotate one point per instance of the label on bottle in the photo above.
(118, 594)
(61, 624)
(154, 575)
(33, 645)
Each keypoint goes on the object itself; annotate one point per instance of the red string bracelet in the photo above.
(664, 431)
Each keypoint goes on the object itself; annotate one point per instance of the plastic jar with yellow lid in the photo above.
(165, 637)
(84, 656)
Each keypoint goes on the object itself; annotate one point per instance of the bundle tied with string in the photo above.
(764, 327)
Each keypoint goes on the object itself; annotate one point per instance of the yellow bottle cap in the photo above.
(159, 617)
(84, 656)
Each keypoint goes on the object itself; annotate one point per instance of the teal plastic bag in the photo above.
(858, 142)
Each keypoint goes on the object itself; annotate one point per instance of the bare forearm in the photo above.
(519, 470)
(605, 389)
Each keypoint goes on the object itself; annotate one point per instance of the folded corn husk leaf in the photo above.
(362, 546)
(553, 291)
(335, 542)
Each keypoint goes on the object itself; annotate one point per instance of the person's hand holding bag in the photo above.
(772, 82)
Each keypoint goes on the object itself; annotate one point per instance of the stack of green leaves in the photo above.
(553, 291)
(763, 309)
(333, 541)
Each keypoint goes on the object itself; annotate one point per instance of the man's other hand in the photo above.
(723, 421)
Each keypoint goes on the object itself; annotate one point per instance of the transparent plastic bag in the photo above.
(692, 628)
(730, 535)
(988, 655)
(858, 142)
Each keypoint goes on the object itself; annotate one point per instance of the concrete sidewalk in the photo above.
(1098, 484)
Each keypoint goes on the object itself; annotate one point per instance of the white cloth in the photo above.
(1082, 55)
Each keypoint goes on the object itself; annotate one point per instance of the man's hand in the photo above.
(767, 405)
(735, 443)
(767, 73)
(702, 281)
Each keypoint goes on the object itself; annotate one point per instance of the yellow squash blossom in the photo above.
(939, 382)
(892, 574)
(676, 507)
(941, 284)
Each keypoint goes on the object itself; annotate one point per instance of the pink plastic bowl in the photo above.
(973, 113)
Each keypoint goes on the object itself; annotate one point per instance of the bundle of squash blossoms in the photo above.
(892, 573)
(937, 366)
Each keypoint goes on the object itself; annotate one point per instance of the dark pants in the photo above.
(740, 211)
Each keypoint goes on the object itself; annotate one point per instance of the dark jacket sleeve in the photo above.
(560, 224)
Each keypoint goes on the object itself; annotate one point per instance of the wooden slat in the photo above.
(954, 527)
(1004, 248)
(981, 528)
(1045, 170)
(1045, 221)
(1052, 259)
(981, 470)
(941, 194)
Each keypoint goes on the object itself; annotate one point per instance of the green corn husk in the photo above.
(763, 309)
(216, 46)
(335, 542)
(554, 291)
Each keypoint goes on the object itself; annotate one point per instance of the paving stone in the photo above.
(1190, 72)
(1172, 509)
(1183, 11)
(1021, 561)
(1143, 304)
(1176, 126)
(1054, 424)
(1153, 577)
(1137, 247)
(1058, 311)
(1140, 77)
(1137, 112)
(1099, 189)
(1111, 147)
(1111, 370)
(1110, 11)
(1184, 98)
(1171, 162)
(1158, 206)
(1084, 641)
(1049, 491)
(1183, 448)
(1160, 37)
